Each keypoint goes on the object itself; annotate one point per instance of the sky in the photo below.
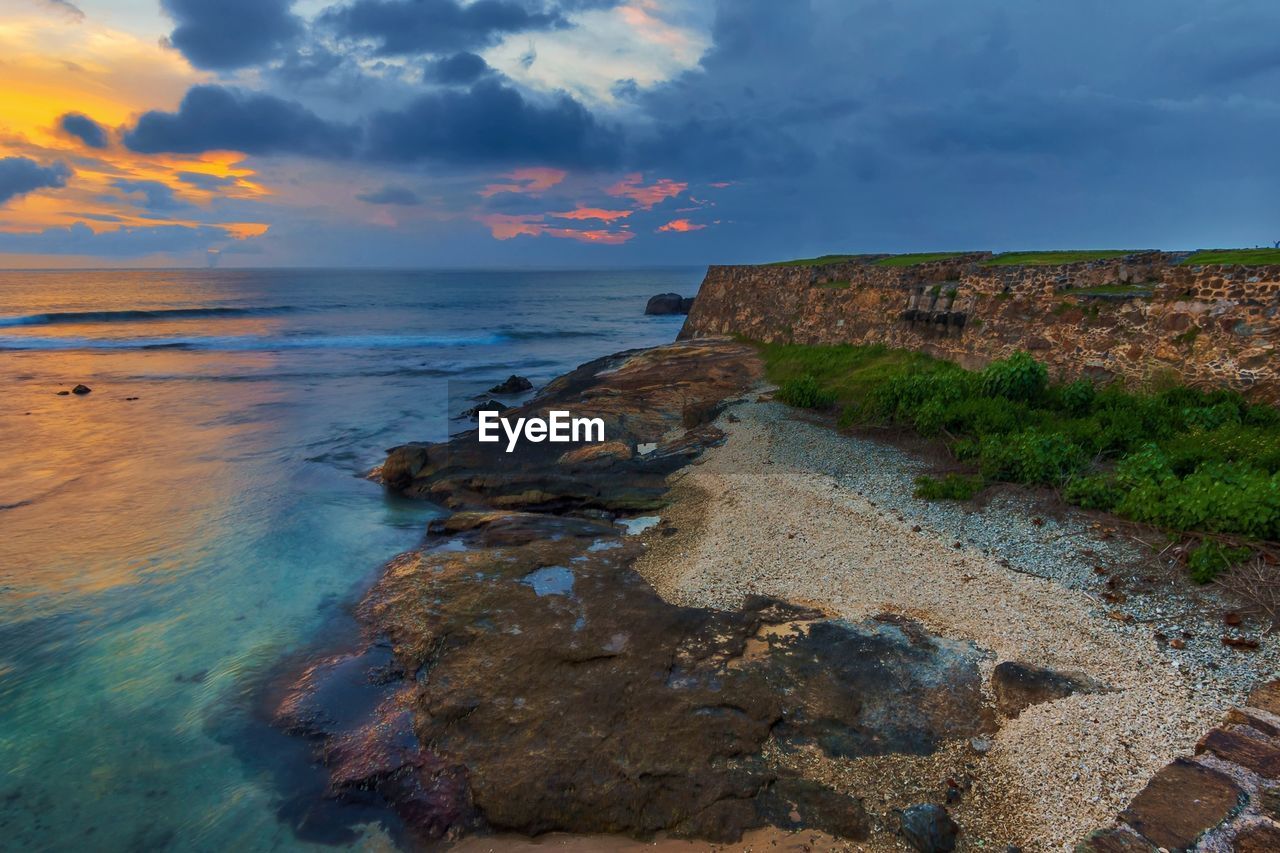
(604, 133)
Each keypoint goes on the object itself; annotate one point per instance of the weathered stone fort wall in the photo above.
(1135, 318)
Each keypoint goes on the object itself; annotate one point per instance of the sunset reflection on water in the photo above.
(160, 556)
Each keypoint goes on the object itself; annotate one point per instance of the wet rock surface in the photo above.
(527, 679)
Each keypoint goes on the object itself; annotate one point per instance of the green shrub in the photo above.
(1211, 559)
(1076, 398)
(1031, 457)
(1098, 492)
(1018, 377)
(952, 487)
(805, 393)
(1258, 448)
(1261, 416)
(984, 415)
(1218, 498)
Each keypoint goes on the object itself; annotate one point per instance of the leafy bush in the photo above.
(1076, 398)
(1098, 492)
(1211, 559)
(900, 398)
(1030, 456)
(1018, 377)
(806, 393)
(952, 487)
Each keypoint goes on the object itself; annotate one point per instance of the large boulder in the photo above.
(668, 303)
(1017, 686)
(928, 827)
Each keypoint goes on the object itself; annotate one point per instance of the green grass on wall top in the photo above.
(1044, 259)
(1246, 257)
(917, 258)
(820, 261)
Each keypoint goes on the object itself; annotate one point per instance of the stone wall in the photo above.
(1135, 318)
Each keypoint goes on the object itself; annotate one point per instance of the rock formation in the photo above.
(525, 678)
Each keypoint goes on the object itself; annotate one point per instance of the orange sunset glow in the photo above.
(102, 160)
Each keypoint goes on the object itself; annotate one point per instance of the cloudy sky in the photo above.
(577, 133)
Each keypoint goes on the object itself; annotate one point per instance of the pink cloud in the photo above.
(681, 225)
(634, 188)
(599, 235)
(602, 214)
(722, 184)
(505, 226)
(528, 181)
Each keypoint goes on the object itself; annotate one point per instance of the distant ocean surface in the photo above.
(159, 556)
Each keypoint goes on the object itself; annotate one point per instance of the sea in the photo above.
(201, 521)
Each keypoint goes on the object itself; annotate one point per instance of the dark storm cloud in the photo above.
(493, 123)
(405, 27)
(458, 69)
(878, 125)
(214, 117)
(490, 123)
(222, 35)
(401, 196)
(85, 129)
(22, 175)
(154, 195)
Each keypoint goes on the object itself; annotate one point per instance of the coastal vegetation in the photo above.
(1204, 465)
(821, 260)
(916, 258)
(1246, 257)
(1044, 259)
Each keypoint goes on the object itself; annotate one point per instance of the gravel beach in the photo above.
(790, 507)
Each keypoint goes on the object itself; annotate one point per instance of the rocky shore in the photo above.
(796, 653)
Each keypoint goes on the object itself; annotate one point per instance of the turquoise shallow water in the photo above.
(160, 556)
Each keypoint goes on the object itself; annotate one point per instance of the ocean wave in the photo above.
(138, 315)
(252, 342)
(549, 334)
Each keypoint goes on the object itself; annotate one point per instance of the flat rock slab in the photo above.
(1266, 696)
(1261, 755)
(1180, 803)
